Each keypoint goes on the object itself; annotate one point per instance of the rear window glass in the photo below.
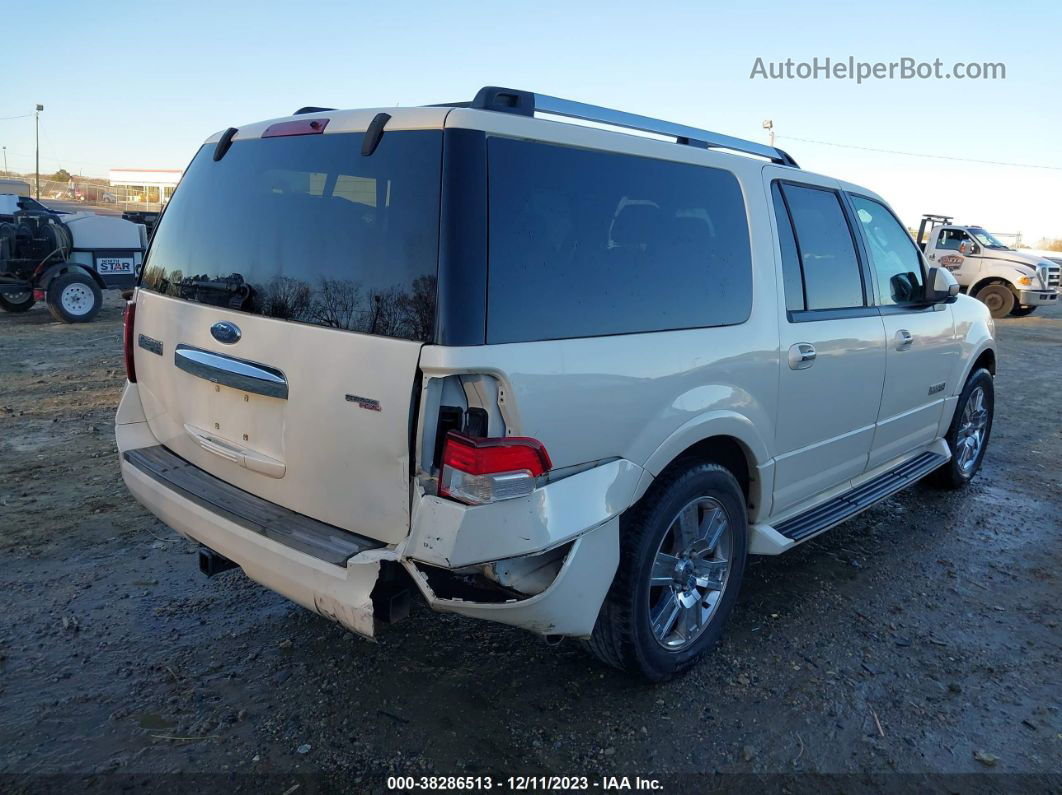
(305, 228)
(585, 243)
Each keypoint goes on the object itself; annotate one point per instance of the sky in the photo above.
(134, 84)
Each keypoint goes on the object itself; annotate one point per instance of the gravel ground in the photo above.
(920, 638)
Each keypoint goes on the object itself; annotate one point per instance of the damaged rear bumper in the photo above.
(342, 593)
(575, 519)
(573, 524)
(568, 606)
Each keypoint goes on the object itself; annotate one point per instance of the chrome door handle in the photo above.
(903, 339)
(801, 356)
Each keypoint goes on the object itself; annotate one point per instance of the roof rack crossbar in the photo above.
(528, 103)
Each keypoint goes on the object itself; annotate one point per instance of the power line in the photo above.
(61, 162)
(921, 154)
(8, 118)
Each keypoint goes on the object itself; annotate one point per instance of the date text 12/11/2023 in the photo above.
(523, 783)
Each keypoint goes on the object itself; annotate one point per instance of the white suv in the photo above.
(542, 373)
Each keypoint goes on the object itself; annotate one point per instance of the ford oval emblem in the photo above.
(225, 332)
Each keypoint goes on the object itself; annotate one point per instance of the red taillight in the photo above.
(127, 340)
(478, 471)
(301, 127)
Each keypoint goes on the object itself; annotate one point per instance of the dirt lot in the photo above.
(920, 638)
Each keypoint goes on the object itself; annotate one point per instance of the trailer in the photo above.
(65, 259)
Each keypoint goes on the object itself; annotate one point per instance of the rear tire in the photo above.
(74, 298)
(1022, 311)
(969, 432)
(17, 302)
(682, 556)
(998, 298)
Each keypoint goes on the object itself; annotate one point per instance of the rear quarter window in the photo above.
(585, 243)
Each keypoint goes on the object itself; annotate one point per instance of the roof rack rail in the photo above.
(527, 103)
(310, 109)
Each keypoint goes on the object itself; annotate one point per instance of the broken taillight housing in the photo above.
(127, 340)
(477, 471)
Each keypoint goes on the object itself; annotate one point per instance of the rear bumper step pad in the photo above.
(840, 508)
(294, 530)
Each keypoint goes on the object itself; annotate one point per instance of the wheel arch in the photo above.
(988, 280)
(985, 359)
(729, 440)
(59, 268)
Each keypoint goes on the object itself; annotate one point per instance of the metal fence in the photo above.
(96, 194)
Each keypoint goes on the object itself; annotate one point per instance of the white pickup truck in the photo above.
(1008, 281)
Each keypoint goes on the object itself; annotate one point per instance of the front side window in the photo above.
(951, 239)
(826, 249)
(25, 203)
(893, 255)
(585, 243)
(306, 229)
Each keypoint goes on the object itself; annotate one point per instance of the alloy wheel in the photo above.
(689, 573)
(973, 428)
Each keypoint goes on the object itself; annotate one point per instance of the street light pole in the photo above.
(5, 161)
(37, 136)
(769, 126)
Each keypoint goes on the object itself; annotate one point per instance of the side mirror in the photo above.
(941, 286)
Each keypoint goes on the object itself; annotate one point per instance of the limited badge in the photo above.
(364, 402)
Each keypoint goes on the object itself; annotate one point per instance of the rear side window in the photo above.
(897, 266)
(585, 243)
(827, 251)
(306, 229)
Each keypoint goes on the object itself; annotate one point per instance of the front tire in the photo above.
(1022, 311)
(74, 298)
(682, 556)
(998, 298)
(968, 434)
(17, 302)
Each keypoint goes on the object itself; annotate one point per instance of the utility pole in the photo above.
(37, 135)
(5, 161)
(769, 126)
